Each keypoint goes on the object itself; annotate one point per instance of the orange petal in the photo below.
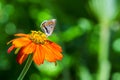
(22, 35)
(55, 46)
(10, 48)
(39, 55)
(55, 51)
(21, 57)
(49, 56)
(30, 48)
(20, 42)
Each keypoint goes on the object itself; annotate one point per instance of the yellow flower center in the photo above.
(38, 37)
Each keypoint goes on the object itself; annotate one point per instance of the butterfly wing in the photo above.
(47, 26)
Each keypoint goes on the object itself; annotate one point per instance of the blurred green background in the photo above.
(87, 30)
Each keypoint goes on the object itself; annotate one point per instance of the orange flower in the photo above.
(37, 44)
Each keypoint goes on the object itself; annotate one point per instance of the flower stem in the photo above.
(26, 67)
(104, 64)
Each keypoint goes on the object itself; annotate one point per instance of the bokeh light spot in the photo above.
(10, 28)
(48, 68)
(116, 76)
(84, 24)
(44, 15)
(116, 45)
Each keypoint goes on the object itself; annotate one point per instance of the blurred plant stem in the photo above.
(26, 67)
(104, 64)
(105, 11)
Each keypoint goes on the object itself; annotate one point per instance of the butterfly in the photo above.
(47, 26)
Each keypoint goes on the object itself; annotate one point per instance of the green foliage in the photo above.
(80, 24)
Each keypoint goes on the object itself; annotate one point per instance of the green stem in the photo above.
(104, 64)
(26, 67)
